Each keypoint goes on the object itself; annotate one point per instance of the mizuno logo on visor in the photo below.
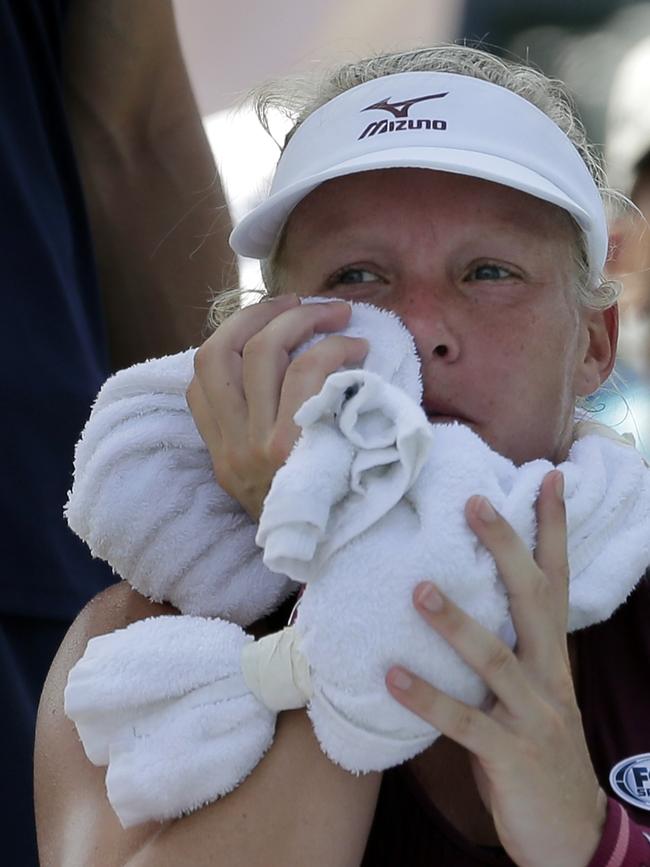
(401, 109)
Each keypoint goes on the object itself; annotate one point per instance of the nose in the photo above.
(429, 319)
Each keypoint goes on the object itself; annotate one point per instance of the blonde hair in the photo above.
(298, 97)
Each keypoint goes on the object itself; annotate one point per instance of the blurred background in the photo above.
(599, 48)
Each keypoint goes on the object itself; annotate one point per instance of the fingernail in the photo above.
(429, 598)
(400, 679)
(559, 484)
(485, 510)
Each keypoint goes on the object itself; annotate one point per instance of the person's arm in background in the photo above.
(155, 203)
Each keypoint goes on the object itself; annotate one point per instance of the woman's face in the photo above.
(481, 276)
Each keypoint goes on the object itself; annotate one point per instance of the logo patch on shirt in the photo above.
(630, 779)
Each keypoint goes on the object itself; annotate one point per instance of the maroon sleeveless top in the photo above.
(613, 691)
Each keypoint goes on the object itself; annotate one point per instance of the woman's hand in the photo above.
(246, 389)
(529, 755)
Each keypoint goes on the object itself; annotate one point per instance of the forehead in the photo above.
(427, 200)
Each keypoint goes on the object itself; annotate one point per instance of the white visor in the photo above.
(431, 120)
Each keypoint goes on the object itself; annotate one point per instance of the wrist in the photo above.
(622, 843)
(594, 838)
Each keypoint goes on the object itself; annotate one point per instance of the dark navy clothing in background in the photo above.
(54, 359)
(54, 355)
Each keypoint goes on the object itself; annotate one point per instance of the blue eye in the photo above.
(349, 276)
(490, 271)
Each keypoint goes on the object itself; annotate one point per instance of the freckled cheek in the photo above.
(504, 367)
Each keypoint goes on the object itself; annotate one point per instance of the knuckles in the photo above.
(204, 357)
(282, 438)
(330, 353)
(252, 458)
(465, 724)
(304, 364)
(538, 587)
(561, 689)
(259, 345)
(499, 660)
(276, 447)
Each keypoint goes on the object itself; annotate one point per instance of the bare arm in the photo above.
(156, 207)
(296, 808)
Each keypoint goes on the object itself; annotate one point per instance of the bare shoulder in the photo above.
(69, 790)
(114, 608)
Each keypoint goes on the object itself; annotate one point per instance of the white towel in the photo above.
(365, 448)
(144, 496)
(145, 500)
(363, 444)
(356, 616)
(163, 703)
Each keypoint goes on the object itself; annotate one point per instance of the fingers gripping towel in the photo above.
(369, 503)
